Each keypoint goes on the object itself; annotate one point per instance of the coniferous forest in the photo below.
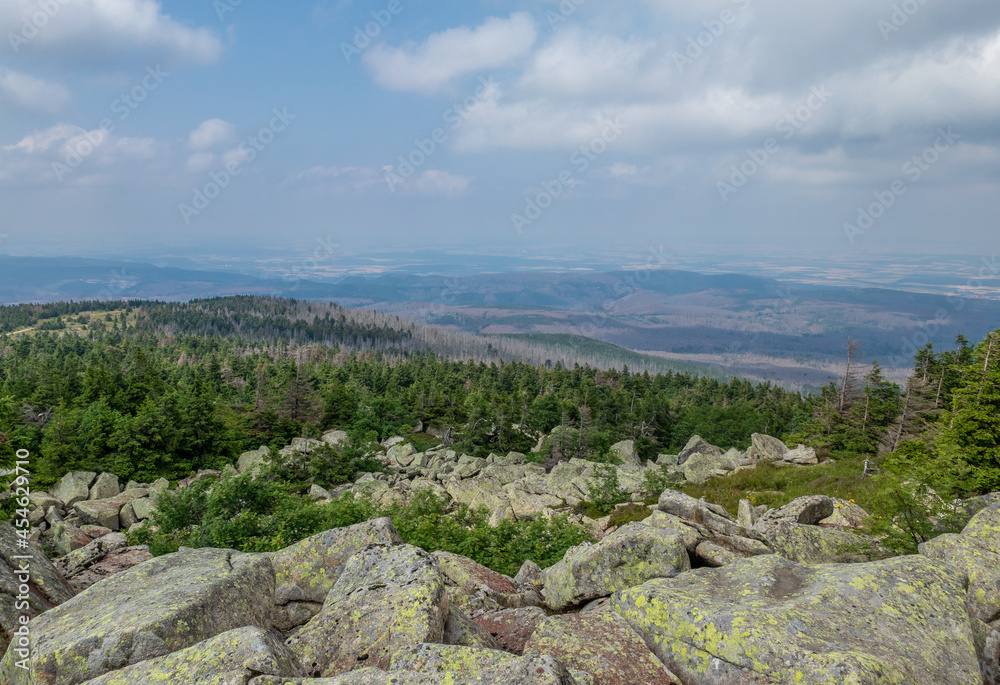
(147, 390)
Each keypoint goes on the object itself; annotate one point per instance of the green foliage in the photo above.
(604, 490)
(654, 482)
(260, 516)
(628, 514)
(908, 513)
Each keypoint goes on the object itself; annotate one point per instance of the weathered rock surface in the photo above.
(976, 551)
(511, 627)
(74, 487)
(769, 620)
(47, 587)
(253, 462)
(232, 658)
(628, 557)
(462, 631)
(386, 600)
(159, 607)
(308, 570)
(104, 512)
(105, 487)
(474, 588)
(603, 645)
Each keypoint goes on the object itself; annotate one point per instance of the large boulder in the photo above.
(628, 557)
(105, 487)
(601, 644)
(67, 537)
(401, 455)
(387, 599)
(308, 570)
(697, 445)
(626, 451)
(232, 658)
(462, 631)
(808, 511)
(253, 462)
(976, 551)
(699, 467)
(47, 587)
(770, 620)
(74, 487)
(474, 588)
(766, 448)
(157, 608)
(712, 517)
(105, 512)
(103, 557)
(816, 545)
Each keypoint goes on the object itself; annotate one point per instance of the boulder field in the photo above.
(689, 596)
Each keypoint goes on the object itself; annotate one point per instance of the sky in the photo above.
(855, 125)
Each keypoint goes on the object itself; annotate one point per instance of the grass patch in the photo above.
(777, 486)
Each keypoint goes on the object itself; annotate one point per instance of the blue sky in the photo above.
(855, 125)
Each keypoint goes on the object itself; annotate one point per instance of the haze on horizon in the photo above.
(504, 123)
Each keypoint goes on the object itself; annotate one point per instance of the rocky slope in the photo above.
(356, 605)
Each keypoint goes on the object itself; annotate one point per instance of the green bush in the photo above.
(605, 491)
(629, 514)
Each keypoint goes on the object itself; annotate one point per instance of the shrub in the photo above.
(628, 514)
(605, 491)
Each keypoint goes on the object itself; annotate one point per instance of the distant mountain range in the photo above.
(745, 325)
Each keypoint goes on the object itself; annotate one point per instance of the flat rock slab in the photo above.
(628, 557)
(769, 620)
(601, 644)
(231, 658)
(388, 599)
(308, 570)
(157, 608)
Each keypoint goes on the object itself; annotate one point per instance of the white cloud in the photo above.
(436, 182)
(26, 92)
(433, 64)
(200, 162)
(98, 31)
(211, 133)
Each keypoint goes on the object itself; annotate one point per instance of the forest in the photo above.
(148, 390)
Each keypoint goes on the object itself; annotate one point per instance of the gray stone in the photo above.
(807, 511)
(253, 462)
(769, 620)
(801, 456)
(766, 448)
(105, 512)
(67, 537)
(388, 599)
(697, 445)
(143, 508)
(160, 486)
(181, 599)
(626, 451)
(335, 438)
(628, 557)
(105, 487)
(231, 658)
(74, 487)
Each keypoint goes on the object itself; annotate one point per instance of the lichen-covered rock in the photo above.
(231, 658)
(74, 487)
(628, 557)
(801, 456)
(699, 467)
(314, 564)
(480, 665)
(110, 564)
(105, 512)
(525, 505)
(697, 445)
(766, 448)
(253, 462)
(691, 533)
(601, 644)
(714, 555)
(973, 552)
(626, 451)
(816, 545)
(511, 627)
(81, 559)
(401, 454)
(105, 487)
(462, 631)
(67, 537)
(985, 527)
(713, 517)
(150, 610)
(846, 515)
(808, 511)
(387, 599)
(474, 588)
(47, 587)
(900, 621)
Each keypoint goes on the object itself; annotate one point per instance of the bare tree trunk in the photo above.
(852, 348)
